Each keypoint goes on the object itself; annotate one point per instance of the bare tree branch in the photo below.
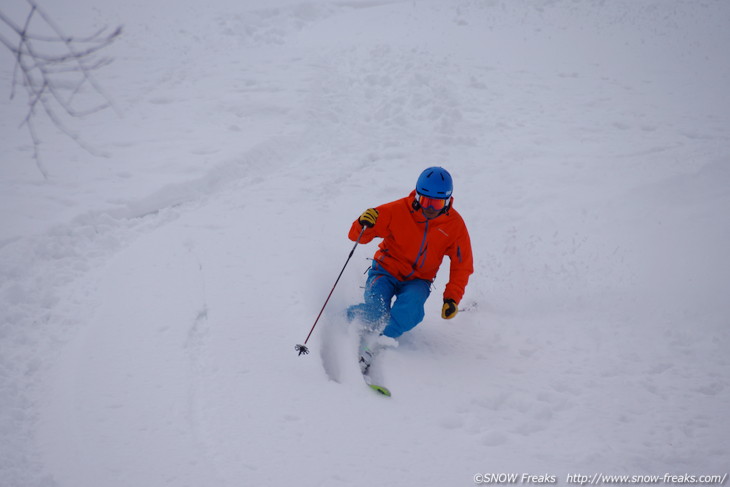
(56, 73)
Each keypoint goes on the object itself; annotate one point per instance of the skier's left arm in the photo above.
(462, 266)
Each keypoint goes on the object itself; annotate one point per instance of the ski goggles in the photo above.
(428, 202)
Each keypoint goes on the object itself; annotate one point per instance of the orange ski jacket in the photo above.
(413, 247)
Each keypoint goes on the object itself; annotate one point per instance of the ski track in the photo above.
(148, 325)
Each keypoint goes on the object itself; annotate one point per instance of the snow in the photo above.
(151, 295)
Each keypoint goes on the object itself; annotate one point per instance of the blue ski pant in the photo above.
(403, 315)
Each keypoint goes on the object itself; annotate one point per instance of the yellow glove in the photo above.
(368, 218)
(449, 309)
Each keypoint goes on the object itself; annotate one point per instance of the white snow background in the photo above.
(151, 295)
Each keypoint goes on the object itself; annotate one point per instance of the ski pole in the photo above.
(302, 349)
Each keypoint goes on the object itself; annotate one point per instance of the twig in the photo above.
(45, 76)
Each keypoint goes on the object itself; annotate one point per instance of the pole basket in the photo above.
(302, 349)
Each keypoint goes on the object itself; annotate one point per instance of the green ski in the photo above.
(379, 389)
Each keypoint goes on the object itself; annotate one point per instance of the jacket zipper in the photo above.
(421, 252)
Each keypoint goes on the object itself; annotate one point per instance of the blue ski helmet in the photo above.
(435, 182)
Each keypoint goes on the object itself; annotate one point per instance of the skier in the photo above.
(417, 232)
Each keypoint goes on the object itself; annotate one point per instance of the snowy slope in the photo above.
(151, 298)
